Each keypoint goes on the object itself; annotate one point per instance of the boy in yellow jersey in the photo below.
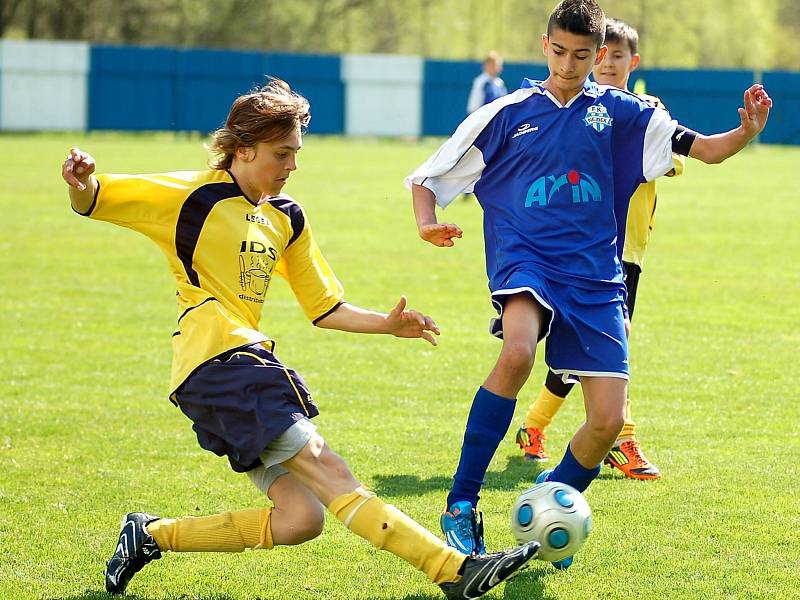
(225, 232)
(621, 59)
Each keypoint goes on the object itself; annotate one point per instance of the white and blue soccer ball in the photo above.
(554, 514)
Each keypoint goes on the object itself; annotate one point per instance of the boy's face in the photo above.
(570, 59)
(268, 164)
(616, 66)
(493, 67)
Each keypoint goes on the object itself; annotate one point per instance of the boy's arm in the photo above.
(438, 234)
(399, 322)
(78, 171)
(714, 149)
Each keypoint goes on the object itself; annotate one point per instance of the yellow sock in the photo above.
(386, 528)
(227, 532)
(629, 428)
(541, 413)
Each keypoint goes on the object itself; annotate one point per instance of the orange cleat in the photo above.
(629, 458)
(531, 442)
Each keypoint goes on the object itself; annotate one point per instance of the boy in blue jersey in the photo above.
(553, 166)
(487, 86)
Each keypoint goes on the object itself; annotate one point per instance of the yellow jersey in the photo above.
(223, 250)
(642, 208)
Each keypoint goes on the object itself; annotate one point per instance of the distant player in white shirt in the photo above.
(487, 86)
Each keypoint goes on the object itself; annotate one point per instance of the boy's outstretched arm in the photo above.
(78, 172)
(438, 234)
(714, 149)
(399, 322)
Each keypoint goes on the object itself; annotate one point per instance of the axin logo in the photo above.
(584, 188)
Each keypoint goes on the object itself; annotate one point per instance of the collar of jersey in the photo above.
(590, 89)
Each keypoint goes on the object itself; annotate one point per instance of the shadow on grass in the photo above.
(525, 586)
(102, 595)
(529, 584)
(517, 470)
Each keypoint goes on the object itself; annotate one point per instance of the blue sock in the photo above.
(487, 425)
(573, 473)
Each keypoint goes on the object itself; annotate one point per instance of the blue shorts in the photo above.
(241, 401)
(586, 329)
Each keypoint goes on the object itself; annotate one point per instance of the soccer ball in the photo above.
(554, 514)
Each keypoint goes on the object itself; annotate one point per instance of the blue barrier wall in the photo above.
(783, 126)
(704, 100)
(133, 88)
(318, 78)
(446, 89)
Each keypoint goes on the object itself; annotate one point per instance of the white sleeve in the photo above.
(475, 95)
(457, 165)
(657, 151)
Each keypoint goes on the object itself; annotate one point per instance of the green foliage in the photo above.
(755, 34)
(86, 431)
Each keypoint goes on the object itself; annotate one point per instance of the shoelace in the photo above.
(463, 526)
(634, 453)
(477, 528)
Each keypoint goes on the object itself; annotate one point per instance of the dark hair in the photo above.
(622, 33)
(265, 115)
(581, 17)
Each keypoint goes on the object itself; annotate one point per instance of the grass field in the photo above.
(87, 434)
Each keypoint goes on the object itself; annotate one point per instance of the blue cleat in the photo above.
(462, 526)
(544, 476)
(564, 563)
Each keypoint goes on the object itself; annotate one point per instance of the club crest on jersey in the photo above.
(583, 187)
(597, 117)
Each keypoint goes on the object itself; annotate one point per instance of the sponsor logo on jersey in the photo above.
(524, 129)
(584, 188)
(597, 117)
(256, 262)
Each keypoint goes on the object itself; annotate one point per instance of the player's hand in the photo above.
(410, 323)
(756, 110)
(440, 234)
(78, 168)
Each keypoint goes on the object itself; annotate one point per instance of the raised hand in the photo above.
(410, 323)
(440, 234)
(756, 109)
(78, 168)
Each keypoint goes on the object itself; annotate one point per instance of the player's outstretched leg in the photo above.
(135, 548)
(530, 437)
(387, 528)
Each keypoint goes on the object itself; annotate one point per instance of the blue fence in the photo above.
(446, 90)
(784, 120)
(133, 88)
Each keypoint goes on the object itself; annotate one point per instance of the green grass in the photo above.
(86, 431)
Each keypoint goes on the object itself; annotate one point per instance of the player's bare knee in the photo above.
(309, 521)
(517, 356)
(606, 426)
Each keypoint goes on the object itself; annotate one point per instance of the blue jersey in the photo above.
(554, 180)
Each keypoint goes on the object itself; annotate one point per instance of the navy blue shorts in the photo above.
(586, 328)
(240, 401)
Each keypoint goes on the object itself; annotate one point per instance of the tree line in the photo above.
(752, 34)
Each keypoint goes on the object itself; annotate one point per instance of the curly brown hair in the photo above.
(264, 115)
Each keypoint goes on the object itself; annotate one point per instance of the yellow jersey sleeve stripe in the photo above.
(292, 210)
(193, 215)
